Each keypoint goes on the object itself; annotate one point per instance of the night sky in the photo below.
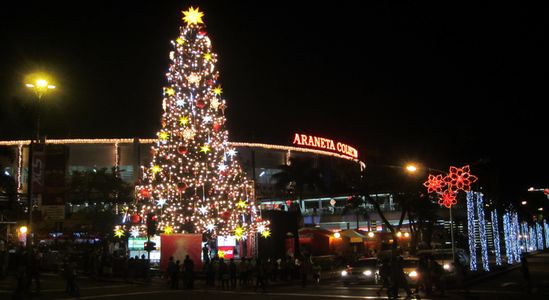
(435, 82)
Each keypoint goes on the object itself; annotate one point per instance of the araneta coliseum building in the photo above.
(336, 170)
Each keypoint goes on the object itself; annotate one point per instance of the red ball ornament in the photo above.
(145, 193)
(202, 31)
(288, 202)
(135, 218)
(182, 150)
(216, 127)
(210, 82)
(226, 214)
(181, 186)
(200, 103)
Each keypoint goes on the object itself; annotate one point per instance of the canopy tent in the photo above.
(354, 237)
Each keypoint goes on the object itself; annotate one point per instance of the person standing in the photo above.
(232, 273)
(188, 266)
(223, 274)
(260, 275)
(34, 270)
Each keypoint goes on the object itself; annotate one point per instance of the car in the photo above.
(364, 270)
(444, 257)
(410, 267)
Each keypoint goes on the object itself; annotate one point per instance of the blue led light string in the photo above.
(546, 227)
(507, 228)
(539, 234)
(495, 236)
(471, 231)
(533, 242)
(482, 231)
(514, 237)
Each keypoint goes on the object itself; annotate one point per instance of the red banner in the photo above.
(179, 245)
(38, 164)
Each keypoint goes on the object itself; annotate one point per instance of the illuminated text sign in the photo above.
(324, 143)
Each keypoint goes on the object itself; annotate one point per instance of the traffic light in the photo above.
(150, 246)
(151, 224)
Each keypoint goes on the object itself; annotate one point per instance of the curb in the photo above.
(491, 274)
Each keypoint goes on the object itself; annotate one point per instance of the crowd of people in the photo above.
(246, 273)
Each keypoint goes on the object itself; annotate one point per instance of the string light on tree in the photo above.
(471, 232)
(195, 183)
(495, 233)
(479, 197)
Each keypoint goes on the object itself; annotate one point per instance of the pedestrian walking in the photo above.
(398, 278)
(384, 275)
(424, 276)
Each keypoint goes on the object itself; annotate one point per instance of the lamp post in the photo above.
(413, 168)
(40, 87)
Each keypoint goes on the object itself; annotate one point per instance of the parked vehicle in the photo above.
(445, 259)
(364, 270)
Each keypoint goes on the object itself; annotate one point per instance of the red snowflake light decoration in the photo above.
(434, 183)
(460, 179)
(448, 198)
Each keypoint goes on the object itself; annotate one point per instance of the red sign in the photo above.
(324, 143)
(38, 165)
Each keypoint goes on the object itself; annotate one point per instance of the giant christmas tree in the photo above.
(194, 183)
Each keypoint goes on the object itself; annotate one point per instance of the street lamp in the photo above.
(40, 85)
(415, 168)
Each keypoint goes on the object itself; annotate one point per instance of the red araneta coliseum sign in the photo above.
(324, 143)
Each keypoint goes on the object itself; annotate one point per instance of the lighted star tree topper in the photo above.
(194, 182)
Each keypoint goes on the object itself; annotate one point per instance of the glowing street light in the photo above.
(23, 229)
(337, 235)
(524, 202)
(40, 87)
(411, 168)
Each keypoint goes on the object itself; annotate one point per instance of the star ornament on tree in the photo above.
(460, 179)
(448, 198)
(239, 232)
(168, 230)
(118, 233)
(241, 204)
(434, 183)
(266, 233)
(218, 90)
(193, 16)
(205, 149)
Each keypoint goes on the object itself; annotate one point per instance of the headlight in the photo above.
(343, 273)
(413, 274)
(446, 267)
(367, 273)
